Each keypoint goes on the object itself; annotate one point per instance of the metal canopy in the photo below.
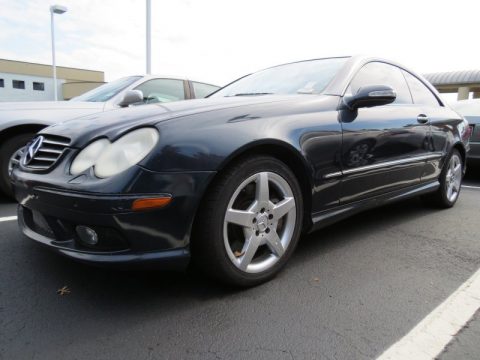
(454, 78)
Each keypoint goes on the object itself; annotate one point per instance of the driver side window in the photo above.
(162, 90)
(377, 73)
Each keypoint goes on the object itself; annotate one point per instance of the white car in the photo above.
(19, 121)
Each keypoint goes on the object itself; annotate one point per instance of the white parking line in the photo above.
(430, 337)
(8, 218)
(471, 187)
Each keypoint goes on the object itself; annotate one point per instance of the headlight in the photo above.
(88, 156)
(109, 159)
(126, 152)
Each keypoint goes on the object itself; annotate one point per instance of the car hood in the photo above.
(44, 112)
(113, 124)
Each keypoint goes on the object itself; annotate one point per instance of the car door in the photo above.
(441, 120)
(384, 147)
(163, 90)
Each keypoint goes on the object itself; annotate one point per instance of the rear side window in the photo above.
(377, 73)
(202, 90)
(162, 90)
(420, 93)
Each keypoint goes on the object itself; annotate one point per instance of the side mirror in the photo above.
(369, 96)
(131, 97)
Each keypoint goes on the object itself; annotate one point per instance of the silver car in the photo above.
(19, 121)
(470, 109)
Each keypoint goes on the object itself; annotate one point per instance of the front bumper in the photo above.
(160, 237)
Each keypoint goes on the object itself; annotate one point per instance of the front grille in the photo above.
(50, 150)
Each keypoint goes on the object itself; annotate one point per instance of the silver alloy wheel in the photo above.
(269, 219)
(454, 177)
(15, 160)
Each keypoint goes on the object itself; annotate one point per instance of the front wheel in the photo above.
(10, 153)
(250, 222)
(450, 182)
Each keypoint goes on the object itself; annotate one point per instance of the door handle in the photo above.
(422, 119)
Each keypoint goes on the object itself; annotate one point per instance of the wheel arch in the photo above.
(461, 149)
(281, 151)
(463, 153)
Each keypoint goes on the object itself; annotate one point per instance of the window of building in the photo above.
(18, 84)
(38, 86)
(2, 83)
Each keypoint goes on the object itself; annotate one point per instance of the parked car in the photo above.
(230, 182)
(19, 121)
(470, 109)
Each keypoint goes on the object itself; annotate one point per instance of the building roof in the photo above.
(454, 77)
(44, 70)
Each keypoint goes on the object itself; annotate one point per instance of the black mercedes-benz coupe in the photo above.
(230, 182)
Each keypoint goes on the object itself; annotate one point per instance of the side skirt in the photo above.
(330, 216)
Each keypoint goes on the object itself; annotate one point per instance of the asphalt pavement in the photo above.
(349, 292)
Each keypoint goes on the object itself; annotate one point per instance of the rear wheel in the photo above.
(450, 182)
(10, 153)
(250, 222)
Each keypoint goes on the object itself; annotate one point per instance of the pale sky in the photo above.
(217, 41)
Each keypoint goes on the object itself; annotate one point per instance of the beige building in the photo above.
(24, 81)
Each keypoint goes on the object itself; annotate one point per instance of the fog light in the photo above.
(87, 235)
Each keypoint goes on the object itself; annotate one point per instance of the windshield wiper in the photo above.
(252, 94)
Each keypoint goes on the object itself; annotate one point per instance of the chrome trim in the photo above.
(55, 142)
(45, 152)
(333, 175)
(432, 156)
(381, 93)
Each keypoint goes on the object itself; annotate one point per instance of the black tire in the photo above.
(209, 252)
(440, 197)
(7, 150)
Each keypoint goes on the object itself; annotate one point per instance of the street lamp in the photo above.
(55, 9)
(149, 36)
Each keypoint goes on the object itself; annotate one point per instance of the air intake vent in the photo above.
(44, 151)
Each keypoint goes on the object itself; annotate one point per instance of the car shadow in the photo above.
(8, 207)
(30, 277)
(5, 201)
(473, 175)
(358, 227)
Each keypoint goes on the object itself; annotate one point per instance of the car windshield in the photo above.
(106, 91)
(305, 77)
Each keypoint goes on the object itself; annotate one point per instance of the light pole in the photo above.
(149, 36)
(55, 9)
